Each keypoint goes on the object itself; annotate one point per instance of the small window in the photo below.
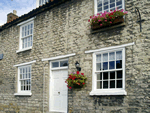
(26, 35)
(24, 78)
(61, 63)
(108, 5)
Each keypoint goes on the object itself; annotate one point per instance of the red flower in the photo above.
(69, 87)
(77, 72)
(110, 17)
(73, 78)
(82, 73)
(90, 16)
(113, 17)
(65, 81)
(89, 20)
(83, 83)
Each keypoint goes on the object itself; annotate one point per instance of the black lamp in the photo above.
(78, 66)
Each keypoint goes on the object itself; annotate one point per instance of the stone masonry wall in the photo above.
(64, 30)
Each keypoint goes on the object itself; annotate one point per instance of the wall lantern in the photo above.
(139, 20)
(78, 66)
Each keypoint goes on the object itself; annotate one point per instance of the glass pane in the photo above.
(119, 74)
(119, 55)
(29, 81)
(118, 64)
(23, 70)
(99, 9)
(25, 30)
(112, 75)
(22, 83)
(98, 66)
(20, 76)
(112, 56)
(99, 76)
(119, 83)
(99, 3)
(119, 2)
(112, 5)
(105, 57)
(120, 7)
(20, 70)
(55, 64)
(105, 75)
(22, 87)
(105, 2)
(105, 7)
(29, 75)
(98, 58)
(112, 1)
(29, 87)
(105, 65)
(63, 63)
(105, 84)
(112, 84)
(112, 65)
(99, 84)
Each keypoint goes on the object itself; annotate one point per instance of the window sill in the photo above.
(108, 28)
(21, 50)
(23, 94)
(108, 92)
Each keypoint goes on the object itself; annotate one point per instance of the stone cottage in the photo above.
(116, 59)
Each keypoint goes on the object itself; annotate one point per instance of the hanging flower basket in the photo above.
(76, 80)
(107, 19)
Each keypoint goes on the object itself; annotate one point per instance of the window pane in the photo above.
(118, 64)
(105, 75)
(20, 76)
(119, 55)
(119, 2)
(112, 56)
(22, 87)
(112, 75)
(31, 29)
(98, 66)
(105, 57)
(106, 7)
(98, 58)
(112, 65)
(105, 65)
(112, 1)
(99, 84)
(22, 31)
(22, 83)
(100, 9)
(55, 64)
(112, 84)
(120, 7)
(63, 63)
(99, 76)
(112, 5)
(99, 3)
(119, 74)
(105, 84)
(105, 2)
(31, 40)
(29, 87)
(119, 83)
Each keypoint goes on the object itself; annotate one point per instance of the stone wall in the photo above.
(63, 30)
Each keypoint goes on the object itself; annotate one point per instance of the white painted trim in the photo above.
(27, 63)
(25, 49)
(26, 21)
(23, 93)
(59, 57)
(108, 92)
(109, 48)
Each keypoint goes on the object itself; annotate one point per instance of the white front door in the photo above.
(58, 91)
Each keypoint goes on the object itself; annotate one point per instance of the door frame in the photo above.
(50, 83)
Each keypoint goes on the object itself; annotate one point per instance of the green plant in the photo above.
(76, 79)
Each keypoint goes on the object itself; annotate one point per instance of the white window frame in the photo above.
(27, 92)
(22, 24)
(117, 91)
(38, 2)
(95, 6)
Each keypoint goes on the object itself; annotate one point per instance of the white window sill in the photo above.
(21, 50)
(108, 92)
(23, 94)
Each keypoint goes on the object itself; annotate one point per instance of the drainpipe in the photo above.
(43, 85)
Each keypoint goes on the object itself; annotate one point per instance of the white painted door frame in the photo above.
(50, 83)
